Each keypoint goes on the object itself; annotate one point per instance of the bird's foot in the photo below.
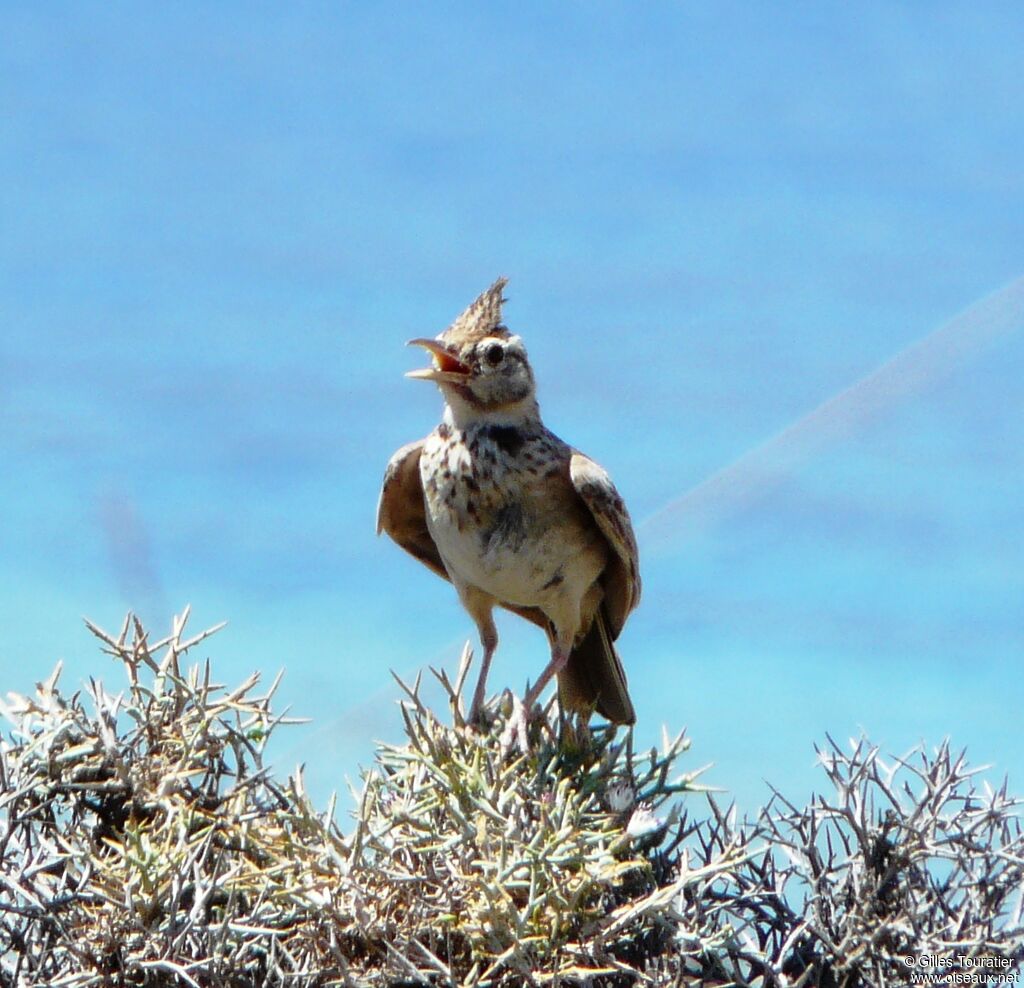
(480, 717)
(517, 728)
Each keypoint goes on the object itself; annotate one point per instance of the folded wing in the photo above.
(401, 512)
(622, 577)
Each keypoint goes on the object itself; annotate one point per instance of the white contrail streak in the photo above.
(911, 371)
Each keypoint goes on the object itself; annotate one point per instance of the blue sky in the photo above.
(221, 225)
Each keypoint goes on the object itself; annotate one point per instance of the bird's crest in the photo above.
(481, 319)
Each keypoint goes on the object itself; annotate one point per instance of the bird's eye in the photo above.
(494, 354)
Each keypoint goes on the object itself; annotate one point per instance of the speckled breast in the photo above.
(503, 513)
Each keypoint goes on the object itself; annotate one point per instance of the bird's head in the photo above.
(477, 361)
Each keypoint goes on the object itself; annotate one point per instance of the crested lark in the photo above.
(513, 516)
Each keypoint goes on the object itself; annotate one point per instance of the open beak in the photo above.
(449, 369)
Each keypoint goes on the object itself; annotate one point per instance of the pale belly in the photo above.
(521, 538)
(530, 570)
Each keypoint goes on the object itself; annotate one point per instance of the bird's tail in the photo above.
(593, 678)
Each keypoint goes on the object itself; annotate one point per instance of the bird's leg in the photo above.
(489, 641)
(518, 722)
(559, 657)
(480, 608)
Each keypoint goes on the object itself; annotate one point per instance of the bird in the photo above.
(514, 517)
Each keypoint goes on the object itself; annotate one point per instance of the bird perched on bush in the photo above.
(496, 503)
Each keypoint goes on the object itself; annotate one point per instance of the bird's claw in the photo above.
(516, 730)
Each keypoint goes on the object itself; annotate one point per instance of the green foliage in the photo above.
(144, 842)
(484, 866)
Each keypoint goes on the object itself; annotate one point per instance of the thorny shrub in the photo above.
(144, 842)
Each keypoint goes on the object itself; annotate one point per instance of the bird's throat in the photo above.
(464, 411)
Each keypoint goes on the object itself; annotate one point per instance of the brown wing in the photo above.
(622, 577)
(402, 514)
(593, 678)
(400, 510)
